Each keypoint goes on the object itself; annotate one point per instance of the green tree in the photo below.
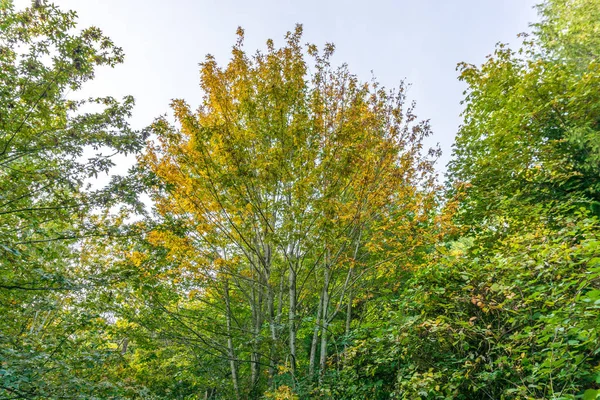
(46, 206)
(569, 31)
(531, 119)
(518, 320)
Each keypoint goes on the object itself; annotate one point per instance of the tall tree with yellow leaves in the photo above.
(290, 185)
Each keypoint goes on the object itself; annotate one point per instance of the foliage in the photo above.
(300, 245)
(50, 337)
(531, 123)
(569, 31)
(277, 201)
(520, 321)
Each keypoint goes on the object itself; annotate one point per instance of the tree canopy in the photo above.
(298, 242)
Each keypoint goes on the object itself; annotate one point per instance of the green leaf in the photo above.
(590, 394)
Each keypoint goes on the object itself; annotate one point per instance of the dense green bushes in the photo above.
(516, 320)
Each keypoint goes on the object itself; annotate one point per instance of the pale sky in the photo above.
(420, 41)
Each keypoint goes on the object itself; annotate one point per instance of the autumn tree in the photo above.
(275, 194)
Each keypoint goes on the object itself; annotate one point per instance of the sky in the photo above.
(418, 41)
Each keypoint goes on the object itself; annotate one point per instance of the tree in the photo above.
(509, 309)
(46, 206)
(274, 195)
(531, 131)
(568, 31)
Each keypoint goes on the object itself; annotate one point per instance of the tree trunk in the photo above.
(124, 346)
(315, 340)
(276, 328)
(272, 331)
(230, 348)
(350, 295)
(255, 356)
(324, 319)
(348, 320)
(292, 318)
